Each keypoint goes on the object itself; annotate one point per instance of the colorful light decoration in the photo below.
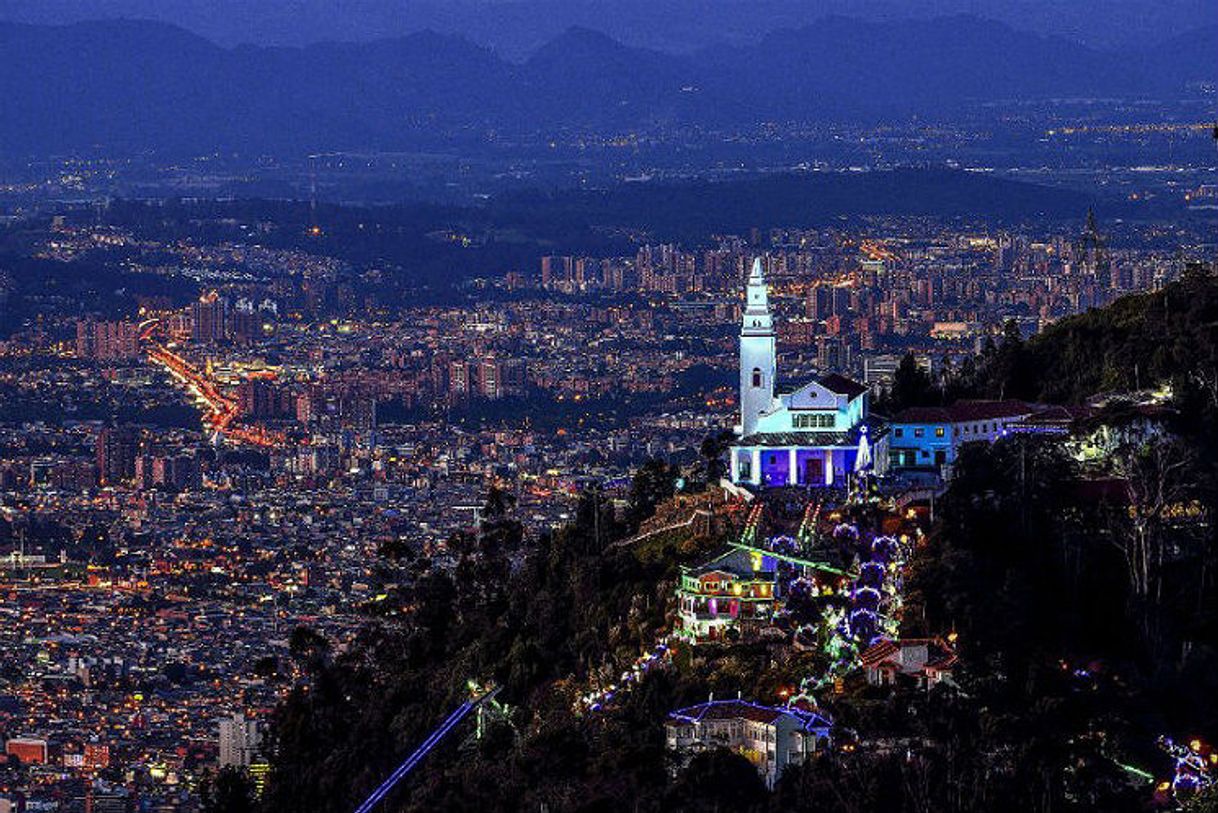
(749, 535)
(807, 526)
(1195, 764)
(596, 701)
(875, 600)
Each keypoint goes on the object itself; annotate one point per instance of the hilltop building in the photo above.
(770, 737)
(814, 436)
(923, 662)
(240, 739)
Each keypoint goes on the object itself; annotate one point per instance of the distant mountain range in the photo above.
(517, 28)
(127, 85)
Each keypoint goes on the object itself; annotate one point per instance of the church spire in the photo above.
(757, 300)
(757, 352)
(757, 320)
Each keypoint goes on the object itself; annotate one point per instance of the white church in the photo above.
(817, 435)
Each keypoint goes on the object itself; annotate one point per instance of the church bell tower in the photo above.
(757, 353)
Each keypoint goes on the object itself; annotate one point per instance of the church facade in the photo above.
(817, 435)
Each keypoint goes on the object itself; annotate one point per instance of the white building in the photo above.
(769, 737)
(240, 740)
(814, 436)
(925, 662)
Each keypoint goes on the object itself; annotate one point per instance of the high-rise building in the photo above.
(117, 449)
(86, 341)
(459, 378)
(359, 411)
(490, 384)
(260, 398)
(240, 739)
(247, 324)
(209, 318)
(107, 341)
(304, 408)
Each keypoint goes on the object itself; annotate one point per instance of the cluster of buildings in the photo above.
(107, 341)
(820, 438)
(848, 298)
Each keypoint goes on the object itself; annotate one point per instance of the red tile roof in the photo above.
(939, 654)
(878, 653)
(923, 415)
(984, 410)
(963, 411)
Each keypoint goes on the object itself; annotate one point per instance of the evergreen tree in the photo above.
(712, 450)
(654, 482)
(229, 790)
(911, 386)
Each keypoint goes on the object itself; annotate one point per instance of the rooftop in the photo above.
(747, 710)
(962, 411)
(842, 385)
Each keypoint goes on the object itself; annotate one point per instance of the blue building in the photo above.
(930, 438)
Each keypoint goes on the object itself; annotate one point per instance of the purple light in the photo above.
(415, 758)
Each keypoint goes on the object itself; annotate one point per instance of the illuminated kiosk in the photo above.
(810, 437)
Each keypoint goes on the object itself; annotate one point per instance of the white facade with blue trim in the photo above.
(771, 737)
(814, 436)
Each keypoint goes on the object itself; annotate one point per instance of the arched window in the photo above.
(756, 376)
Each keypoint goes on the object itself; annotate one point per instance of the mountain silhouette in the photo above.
(131, 85)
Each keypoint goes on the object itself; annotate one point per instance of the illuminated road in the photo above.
(222, 410)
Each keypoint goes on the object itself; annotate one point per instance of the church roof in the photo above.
(757, 273)
(784, 439)
(842, 385)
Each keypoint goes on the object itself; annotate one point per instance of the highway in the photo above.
(222, 411)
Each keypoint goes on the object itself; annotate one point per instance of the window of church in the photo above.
(756, 376)
(813, 421)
